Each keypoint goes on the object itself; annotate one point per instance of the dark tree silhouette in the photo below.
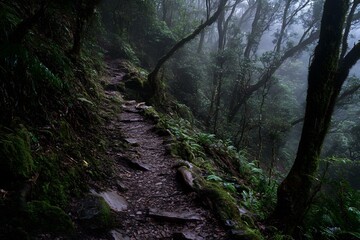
(327, 74)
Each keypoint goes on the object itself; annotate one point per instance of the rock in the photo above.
(94, 213)
(121, 186)
(117, 234)
(187, 177)
(114, 200)
(230, 223)
(132, 141)
(141, 106)
(129, 110)
(130, 103)
(186, 236)
(136, 165)
(174, 216)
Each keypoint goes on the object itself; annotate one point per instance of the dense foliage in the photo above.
(236, 94)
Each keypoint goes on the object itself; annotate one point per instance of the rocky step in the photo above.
(179, 217)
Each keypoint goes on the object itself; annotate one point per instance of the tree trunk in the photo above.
(254, 30)
(323, 88)
(201, 42)
(347, 28)
(222, 27)
(283, 27)
(84, 11)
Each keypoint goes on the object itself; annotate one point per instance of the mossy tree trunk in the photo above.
(157, 89)
(327, 74)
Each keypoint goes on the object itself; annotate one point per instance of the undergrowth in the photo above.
(243, 193)
(50, 143)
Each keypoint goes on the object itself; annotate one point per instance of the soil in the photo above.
(145, 176)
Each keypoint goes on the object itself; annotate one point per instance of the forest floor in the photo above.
(145, 193)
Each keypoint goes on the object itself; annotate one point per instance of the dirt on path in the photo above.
(155, 205)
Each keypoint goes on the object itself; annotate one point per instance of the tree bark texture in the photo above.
(323, 89)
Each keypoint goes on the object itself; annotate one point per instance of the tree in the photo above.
(156, 88)
(84, 10)
(244, 88)
(327, 74)
(222, 29)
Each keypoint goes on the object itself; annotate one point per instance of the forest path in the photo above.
(156, 206)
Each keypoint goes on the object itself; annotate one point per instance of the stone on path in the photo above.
(136, 165)
(114, 200)
(132, 141)
(174, 216)
(121, 186)
(187, 177)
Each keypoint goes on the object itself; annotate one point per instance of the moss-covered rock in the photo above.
(95, 214)
(47, 218)
(222, 202)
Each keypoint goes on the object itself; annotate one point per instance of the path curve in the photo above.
(149, 177)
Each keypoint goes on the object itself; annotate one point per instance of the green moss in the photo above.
(183, 111)
(183, 150)
(47, 218)
(253, 234)
(95, 214)
(15, 155)
(105, 218)
(222, 202)
(151, 113)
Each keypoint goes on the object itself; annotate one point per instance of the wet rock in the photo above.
(186, 236)
(132, 141)
(136, 165)
(186, 177)
(121, 186)
(114, 200)
(174, 216)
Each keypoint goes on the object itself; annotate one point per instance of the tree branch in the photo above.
(152, 77)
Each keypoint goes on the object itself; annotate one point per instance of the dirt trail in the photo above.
(146, 178)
